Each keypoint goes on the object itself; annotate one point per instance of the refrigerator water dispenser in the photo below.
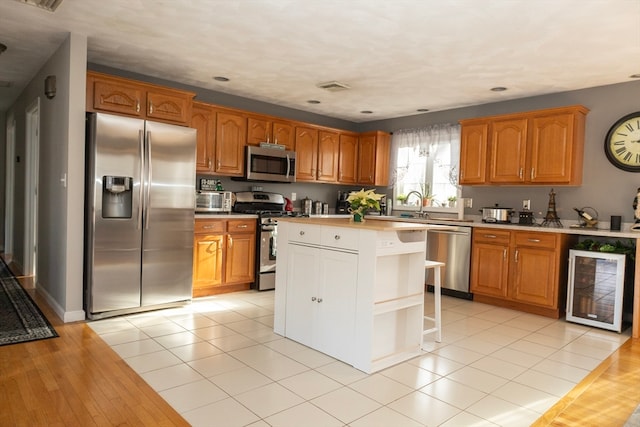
(116, 196)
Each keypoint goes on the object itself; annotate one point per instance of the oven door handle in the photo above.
(267, 228)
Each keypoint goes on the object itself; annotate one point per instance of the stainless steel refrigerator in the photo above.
(139, 217)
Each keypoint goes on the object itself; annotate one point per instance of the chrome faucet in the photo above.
(421, 214)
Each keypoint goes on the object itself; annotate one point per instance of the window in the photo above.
(426, 162)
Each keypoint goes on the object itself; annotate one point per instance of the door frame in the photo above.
(32, 145)
(9, 190)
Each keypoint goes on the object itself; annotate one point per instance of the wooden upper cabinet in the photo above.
(374, 150)
(474, 139)
(557, 147)
(138, 99)
(507, 150)
(168, 105)
(231, 133)
(203, 119)
(258, 130)
(348, 158)
(538, 147)
(116, 97)
(328, 153)
(264, 129)
(284, 134)
(306, 147)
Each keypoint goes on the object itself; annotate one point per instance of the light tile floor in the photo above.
(218, 363)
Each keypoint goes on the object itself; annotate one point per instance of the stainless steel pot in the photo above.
(496, 214)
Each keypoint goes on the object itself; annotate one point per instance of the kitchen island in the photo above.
(354, 291)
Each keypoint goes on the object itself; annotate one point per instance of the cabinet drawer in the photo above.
(340, 237)
(209, 226)
(536, 240)
(304, 233)
(490, 235)
(241, 225)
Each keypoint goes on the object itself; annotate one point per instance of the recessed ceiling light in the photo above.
(366, 112)
(498, 89)
(313, 101)
(635, 76)
(422, 110)
(221, 79)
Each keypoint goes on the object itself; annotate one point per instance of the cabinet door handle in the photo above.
(520, 173)
(336, 237)
(490, 236)
(504, 254)
(229, 241)
(533, 173)
(516, 255)
(150, 107)
(209, 167)
(534, 240)
(242, 226)
(206, 227)
(301, 233)
(138, 106)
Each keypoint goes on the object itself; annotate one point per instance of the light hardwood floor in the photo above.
(77, 379)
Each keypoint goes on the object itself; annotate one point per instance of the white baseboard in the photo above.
(66, 316)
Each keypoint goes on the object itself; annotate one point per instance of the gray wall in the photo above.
(609, 190)
(60, 208)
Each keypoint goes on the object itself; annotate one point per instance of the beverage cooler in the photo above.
(599, 289)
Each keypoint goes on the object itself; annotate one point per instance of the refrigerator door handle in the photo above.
(147, 198)
(141, 191)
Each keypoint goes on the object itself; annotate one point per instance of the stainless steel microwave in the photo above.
(213, 201)
(270, 164)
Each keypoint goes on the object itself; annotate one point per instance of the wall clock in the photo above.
(622, 143)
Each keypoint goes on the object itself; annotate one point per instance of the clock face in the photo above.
(622, 144)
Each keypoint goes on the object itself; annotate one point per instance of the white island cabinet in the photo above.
(354, 291)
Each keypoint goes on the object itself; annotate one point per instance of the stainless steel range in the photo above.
(269, 207)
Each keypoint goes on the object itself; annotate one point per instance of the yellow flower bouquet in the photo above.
(361, 201)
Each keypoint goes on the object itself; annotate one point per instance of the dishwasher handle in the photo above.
(457, 233)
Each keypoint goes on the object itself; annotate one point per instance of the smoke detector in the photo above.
(333, 86)
(50, 5)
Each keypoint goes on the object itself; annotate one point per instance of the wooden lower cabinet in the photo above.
(523, 270)
(223, 255)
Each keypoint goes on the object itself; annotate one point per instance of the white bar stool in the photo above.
(437, 318)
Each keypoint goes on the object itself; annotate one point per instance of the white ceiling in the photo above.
(396, 55)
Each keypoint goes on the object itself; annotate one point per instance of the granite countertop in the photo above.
(625, 233)
(205, 215)
(371, 223)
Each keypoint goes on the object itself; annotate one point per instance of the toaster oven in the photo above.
(213, 201)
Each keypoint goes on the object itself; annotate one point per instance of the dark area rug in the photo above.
(20, 318)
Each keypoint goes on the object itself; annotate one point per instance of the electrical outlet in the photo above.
(468, 202)
(293, 197)
(526, 204)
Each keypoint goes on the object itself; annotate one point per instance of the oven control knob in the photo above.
(302, 233)
(337, 237)
(313, 298)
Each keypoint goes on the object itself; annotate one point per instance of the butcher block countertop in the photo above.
(368, 224)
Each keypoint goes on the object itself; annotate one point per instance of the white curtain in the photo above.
(424, 142)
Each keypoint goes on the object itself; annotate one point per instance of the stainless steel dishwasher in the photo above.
(453, 247)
